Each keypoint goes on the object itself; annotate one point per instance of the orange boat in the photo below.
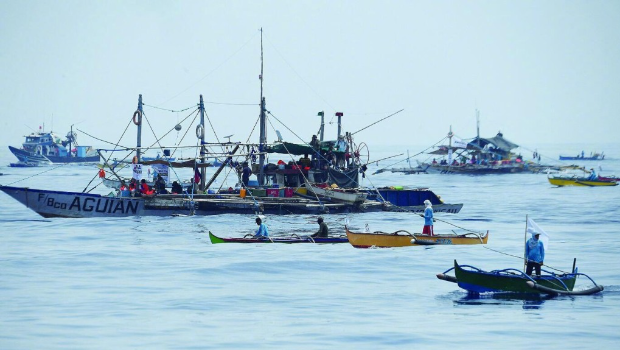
(403, 238)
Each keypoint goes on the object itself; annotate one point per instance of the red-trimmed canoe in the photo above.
(279, 239)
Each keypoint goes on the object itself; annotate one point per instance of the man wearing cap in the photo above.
(534, 253)
(428, 219)
(323, 230)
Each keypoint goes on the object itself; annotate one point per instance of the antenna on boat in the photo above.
(263, 124)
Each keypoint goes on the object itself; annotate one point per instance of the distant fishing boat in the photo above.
(403, 238)
(476, 281)
(293, 238)
(45, 147)
(593, 156)
(481, 156)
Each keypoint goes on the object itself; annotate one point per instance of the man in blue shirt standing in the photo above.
(534, 254)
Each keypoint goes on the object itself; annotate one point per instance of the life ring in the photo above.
(137, 117)
(134, 160)
(101, 173)
(200, 131)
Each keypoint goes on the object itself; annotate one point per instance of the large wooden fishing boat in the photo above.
(475, 280)
(580, 181)
(403, 238)
(293, 238)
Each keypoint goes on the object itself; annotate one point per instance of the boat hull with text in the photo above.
(85, 205)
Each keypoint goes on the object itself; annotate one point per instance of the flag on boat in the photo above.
(197, 176)
(533, 228)
(458, 143)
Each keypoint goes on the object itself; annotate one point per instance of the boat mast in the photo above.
(450, 134)
(139, 141)
(202, 143)
(263, 124)
(478, 126)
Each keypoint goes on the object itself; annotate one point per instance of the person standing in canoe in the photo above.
(262, 229)
(323, 230)
(534, 253)
(429, 218)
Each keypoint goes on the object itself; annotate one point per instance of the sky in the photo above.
(538, 71)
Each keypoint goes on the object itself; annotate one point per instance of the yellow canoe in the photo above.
(577, 181)
(403, 238)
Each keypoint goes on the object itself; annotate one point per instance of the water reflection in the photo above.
(528, 301)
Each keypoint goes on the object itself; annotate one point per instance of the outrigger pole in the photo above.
(263, 124)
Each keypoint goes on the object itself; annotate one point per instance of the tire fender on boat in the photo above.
(137, 117)
(200, 131)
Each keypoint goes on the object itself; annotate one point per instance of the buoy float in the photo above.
(101, 173)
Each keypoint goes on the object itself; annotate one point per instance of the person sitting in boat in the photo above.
(133, 187)
(323, 230)
(305, 161)
(593, 176)
(124, 190)
(534, 253)
(428, 219)
(176, 188)
(144, 188)
(160, 185)
(434, 161)
(262, 229)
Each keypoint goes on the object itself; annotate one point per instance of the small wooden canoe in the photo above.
(475, 280)
(279, 239)
(403, 238)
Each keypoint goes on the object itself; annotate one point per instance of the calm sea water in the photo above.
(158, 283)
